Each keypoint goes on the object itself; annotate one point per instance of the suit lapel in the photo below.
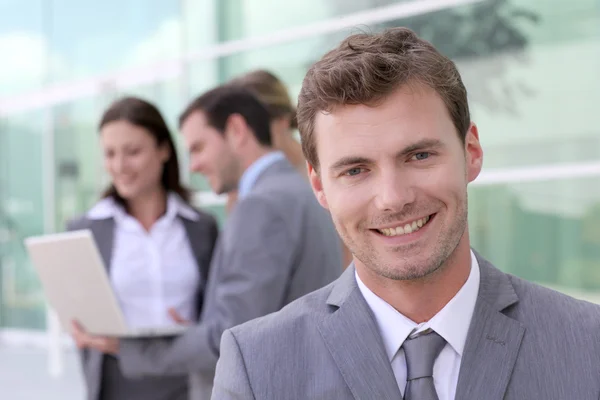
(104, 233)
(195, 230)
(355, 343)
(493, 340)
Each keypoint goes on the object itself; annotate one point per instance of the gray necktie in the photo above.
(420, 353)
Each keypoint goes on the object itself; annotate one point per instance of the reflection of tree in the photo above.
(591, 227)
(581, 269)
(590, 246)
(480, 32)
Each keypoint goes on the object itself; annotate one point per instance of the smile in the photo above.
(406, 228)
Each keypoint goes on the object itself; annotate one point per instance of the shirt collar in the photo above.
(252, 173)
(109, 208)
(451, 322)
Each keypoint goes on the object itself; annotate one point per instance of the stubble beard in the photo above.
(408, 268)
(229, 176)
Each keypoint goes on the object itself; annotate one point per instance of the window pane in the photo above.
(545, 232)
(79, 175)
(247, 18)
(21, 215)
(23, 46)
(533, 82)
(200, 23)
(530, 67)
(112, 35)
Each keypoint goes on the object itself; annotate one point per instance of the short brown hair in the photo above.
(221, 102)
(367, 68)
(271, 91)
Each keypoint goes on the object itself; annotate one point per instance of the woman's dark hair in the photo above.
(141, 113)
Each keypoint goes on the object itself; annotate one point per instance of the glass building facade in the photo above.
(532, 69)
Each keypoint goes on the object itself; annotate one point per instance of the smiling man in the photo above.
(391, 149)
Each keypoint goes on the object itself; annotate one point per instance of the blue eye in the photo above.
(353, 171)
(421, 155)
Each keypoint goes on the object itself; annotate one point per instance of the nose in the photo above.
(119, 163)
(196, 164)
(113, 164)
(394, 190)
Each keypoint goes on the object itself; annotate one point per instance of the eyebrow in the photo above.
(424, 144)
(195, 145)
(347, 161)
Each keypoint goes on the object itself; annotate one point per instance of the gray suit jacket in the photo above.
(277, 245)
(525, 342)
(202, 236)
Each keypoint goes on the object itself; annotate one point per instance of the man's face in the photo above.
(394, 178)
(210, 153)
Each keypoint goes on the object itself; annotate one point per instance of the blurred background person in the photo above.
(277, 245)
(275, 96)
(156, 247)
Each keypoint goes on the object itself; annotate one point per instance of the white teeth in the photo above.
(408, 228)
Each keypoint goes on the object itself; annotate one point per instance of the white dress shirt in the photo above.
(152, 271)
(451, 323)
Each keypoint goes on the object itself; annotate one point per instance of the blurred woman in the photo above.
(274, 95)
(156, 247)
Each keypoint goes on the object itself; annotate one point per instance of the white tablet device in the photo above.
(76, 285)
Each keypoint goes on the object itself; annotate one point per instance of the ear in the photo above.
(317, 185)
(236, 130)
(279, 126)
(473, 152)
(164, 152)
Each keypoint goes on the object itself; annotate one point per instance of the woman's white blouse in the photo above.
(152, 271)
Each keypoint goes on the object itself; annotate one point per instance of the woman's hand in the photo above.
(101, 343)
(178, 318)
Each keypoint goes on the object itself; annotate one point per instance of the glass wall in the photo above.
(77, 166)
(22, 33)
(544, 231)
(111, 35)
(531, 69)
(21, 214)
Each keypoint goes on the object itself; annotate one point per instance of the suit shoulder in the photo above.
(559, 307)
(286, 194)
(294, 317)
(287, 182)
(78, 222)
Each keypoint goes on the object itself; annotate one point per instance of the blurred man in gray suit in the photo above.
(277, 245)
(386, 129)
